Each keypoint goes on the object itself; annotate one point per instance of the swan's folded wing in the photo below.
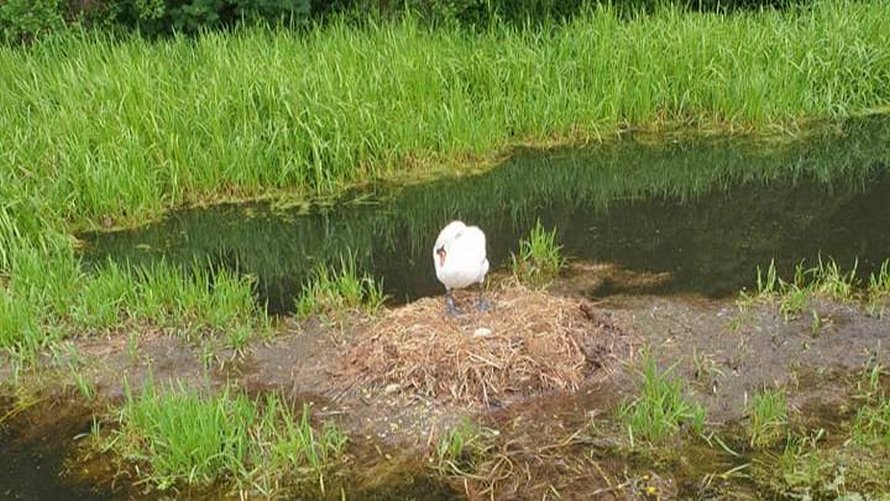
(472, 245)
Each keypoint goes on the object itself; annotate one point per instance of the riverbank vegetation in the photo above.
(100, 129)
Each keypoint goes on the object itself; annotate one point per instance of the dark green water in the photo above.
(706, 210)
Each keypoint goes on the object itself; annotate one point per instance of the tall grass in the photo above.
(95, 127)
(49, 296)
(187, 438)
(335, 290)
(661, 408)
(768, 417)
(539, 259)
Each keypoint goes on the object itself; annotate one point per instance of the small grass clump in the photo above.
(461, 447)
(188, 438)
(768, 417)
(879, 290)
(810, 467)
(823, 280)
(871, 426)
(292, 444)
(333, 291)
(660, 409)
(539, 259)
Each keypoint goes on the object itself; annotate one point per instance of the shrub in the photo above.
(23, 20)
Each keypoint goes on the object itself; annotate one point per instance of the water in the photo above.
(705, 210)
(32, 453)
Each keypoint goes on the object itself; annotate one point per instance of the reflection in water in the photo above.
(706, 210)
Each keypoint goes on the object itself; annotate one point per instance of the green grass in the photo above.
(539, 259)
(293, 447)
(94, 128)
(461, 447)
(332, 291)
(188, 438)
(19, 331)
(49, 297)
(768, 412)
(879, 290)
(825, 279)
(128, 128)
(871, 425)
(661, 408)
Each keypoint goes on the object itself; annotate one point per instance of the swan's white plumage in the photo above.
(465, 261)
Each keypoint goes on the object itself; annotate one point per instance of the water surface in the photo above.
(705, 210)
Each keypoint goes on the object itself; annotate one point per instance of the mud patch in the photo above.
(530, 344)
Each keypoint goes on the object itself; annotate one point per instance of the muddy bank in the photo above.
(547, 441)
(37, 435)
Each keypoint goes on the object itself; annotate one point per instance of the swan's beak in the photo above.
(441, 253)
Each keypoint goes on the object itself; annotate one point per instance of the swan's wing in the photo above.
(471, 242)
(449, 232)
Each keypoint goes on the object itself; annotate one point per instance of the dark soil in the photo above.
(544, 445)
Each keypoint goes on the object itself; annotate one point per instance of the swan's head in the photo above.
(440, 250)
(440, 255)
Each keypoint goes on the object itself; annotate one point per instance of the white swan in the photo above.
(459, 257)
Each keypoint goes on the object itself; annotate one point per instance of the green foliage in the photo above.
(768, 416)
(331, 291)
(192, 16)
(539, 259)
(879, 290)
(823, 280)
(252, 107)
(295, 446)
(660, 408)
(187, 438)
(19, 331)
(461, 447)
(871, 426)
(23, 20)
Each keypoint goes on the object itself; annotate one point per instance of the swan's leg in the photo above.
(482, 304)
(450, 308)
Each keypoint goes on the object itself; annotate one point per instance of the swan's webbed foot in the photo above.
(451, 308)
(482, 304)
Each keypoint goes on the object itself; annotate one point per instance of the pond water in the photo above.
(706, 211)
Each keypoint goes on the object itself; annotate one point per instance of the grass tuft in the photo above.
(823, 280)
(185, 437)
(661, 408)
(539, 259)
(332, 291)
(879, 290)
(768, 417)
(461, 448)
(188, 438)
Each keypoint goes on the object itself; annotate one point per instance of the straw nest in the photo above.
(530, 343)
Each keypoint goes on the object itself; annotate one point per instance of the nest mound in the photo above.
(530, 343)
